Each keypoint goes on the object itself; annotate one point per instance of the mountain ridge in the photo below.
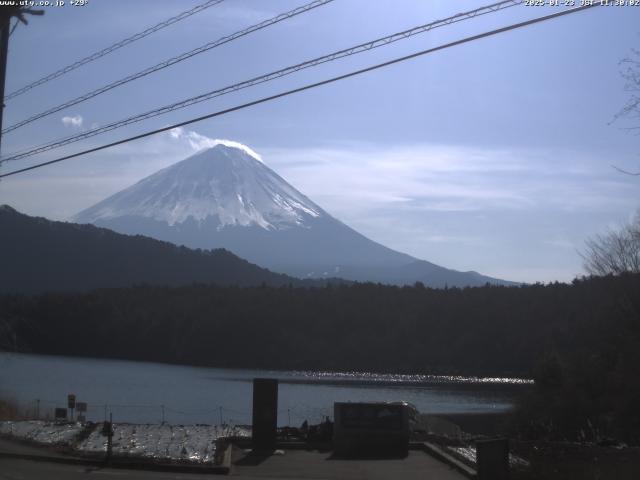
(39, 255)
(225, 197)
(259, 195)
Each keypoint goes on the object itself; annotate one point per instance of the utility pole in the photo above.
(7, 12)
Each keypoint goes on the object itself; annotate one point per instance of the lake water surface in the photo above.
(142, 392)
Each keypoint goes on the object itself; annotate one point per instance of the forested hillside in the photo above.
(39, 255)
(488, 330)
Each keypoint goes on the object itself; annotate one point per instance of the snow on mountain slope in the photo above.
(223, 182)
(225, 197)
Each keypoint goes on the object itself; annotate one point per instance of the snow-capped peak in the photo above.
(241, 146)
(227, 184)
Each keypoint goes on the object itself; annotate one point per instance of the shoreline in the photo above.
(431, 378)
(337, 377)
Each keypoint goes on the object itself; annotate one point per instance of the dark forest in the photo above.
(580, 342)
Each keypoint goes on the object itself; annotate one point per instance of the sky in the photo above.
(496, 156)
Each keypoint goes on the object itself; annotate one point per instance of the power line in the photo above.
(309, 86)
(7, 12)
(268, 77)
(170, 62)
(114, 47)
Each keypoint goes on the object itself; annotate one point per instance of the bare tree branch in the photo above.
(630, 71)
(615, 252)
(625, 171)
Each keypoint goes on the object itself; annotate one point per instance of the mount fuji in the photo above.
(226, 197)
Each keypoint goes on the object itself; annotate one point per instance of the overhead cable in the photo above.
(113, 48)
(307, 87)
(266, 78)
(169, 62)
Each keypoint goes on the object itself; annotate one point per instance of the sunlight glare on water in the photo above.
(145, 392)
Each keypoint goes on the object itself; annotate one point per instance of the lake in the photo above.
(143, 392)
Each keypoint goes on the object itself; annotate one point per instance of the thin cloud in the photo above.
(360, 178)
(461, 207)
(198, 142)
(73, 122)
(561, 242)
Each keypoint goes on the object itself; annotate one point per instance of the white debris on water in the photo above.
(192, 443)
(46, 433)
